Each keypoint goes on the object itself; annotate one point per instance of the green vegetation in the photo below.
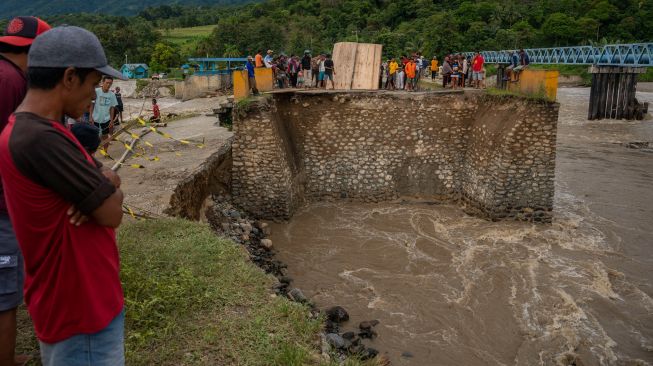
(115, 7)
(187, 38)
(402, 26)
(540, 96)
(193, 298)
(141, 84)
(184, 35)
(648, 76)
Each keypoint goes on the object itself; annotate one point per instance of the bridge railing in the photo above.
(633, 54)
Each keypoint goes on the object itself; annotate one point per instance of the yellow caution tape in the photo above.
(105, 154)
(131, 212)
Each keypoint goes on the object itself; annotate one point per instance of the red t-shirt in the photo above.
(478, 63)
(13, 86)
(155, 110)
(72, 283)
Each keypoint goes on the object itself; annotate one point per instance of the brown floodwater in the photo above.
(451, 289)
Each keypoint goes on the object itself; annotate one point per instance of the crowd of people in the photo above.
(403, 73)
(293, 71)
(456, 70)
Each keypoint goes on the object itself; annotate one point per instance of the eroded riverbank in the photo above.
(453, 289)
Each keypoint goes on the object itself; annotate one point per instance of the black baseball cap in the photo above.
(21, 31)
(69, 46)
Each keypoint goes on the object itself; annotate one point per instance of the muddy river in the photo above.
(450, 289)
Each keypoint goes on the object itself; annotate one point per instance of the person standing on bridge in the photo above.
(477, 69)
(268, 60)
(447, 70)
(434, 68)
(293, 69)
(307, 69)
(411, 75)
(329, 71)
(259, 59)
(392, 74)
(251, 75)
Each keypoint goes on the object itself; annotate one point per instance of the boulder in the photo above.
(266, 243)
(335, 340)
(337, 314)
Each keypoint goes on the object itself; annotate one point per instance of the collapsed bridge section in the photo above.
(493, 154)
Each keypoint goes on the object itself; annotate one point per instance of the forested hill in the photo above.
(9, 8)
(433, 27)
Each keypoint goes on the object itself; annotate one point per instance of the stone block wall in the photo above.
(199, 85)
(495, 155)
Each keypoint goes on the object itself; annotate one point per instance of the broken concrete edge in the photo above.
(213, 176)
(493, 154)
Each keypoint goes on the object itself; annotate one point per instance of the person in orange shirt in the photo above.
(411, 69)
(434, 68)
(259, 59)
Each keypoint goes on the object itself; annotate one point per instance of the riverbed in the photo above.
(452, 289)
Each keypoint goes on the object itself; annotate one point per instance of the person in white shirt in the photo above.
(267, 60)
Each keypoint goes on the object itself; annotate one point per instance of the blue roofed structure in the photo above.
(134, 71)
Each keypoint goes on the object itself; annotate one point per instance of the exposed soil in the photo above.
(148, 190)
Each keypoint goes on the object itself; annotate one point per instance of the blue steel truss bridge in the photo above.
(628, 55)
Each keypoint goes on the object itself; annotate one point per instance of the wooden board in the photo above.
(357, 65)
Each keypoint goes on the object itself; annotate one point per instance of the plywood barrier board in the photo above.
(357, 65)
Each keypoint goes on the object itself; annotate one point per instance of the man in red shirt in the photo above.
(477, 69)
(156, 112)
(14, 46)
(64, 206)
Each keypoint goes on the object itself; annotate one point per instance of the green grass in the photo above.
(181, 36)
(537, 97)
(193, 298)
(646, 77)
(187, 38)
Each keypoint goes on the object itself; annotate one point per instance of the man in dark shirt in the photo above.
(329, 71)
(65, 206)
(306, 68)
(120, 107)
(14, 45)
(251, 75)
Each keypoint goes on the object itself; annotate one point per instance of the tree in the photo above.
(164, 56)
(559, 29)
(231, 51)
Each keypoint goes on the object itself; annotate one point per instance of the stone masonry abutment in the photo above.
(493, 154)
